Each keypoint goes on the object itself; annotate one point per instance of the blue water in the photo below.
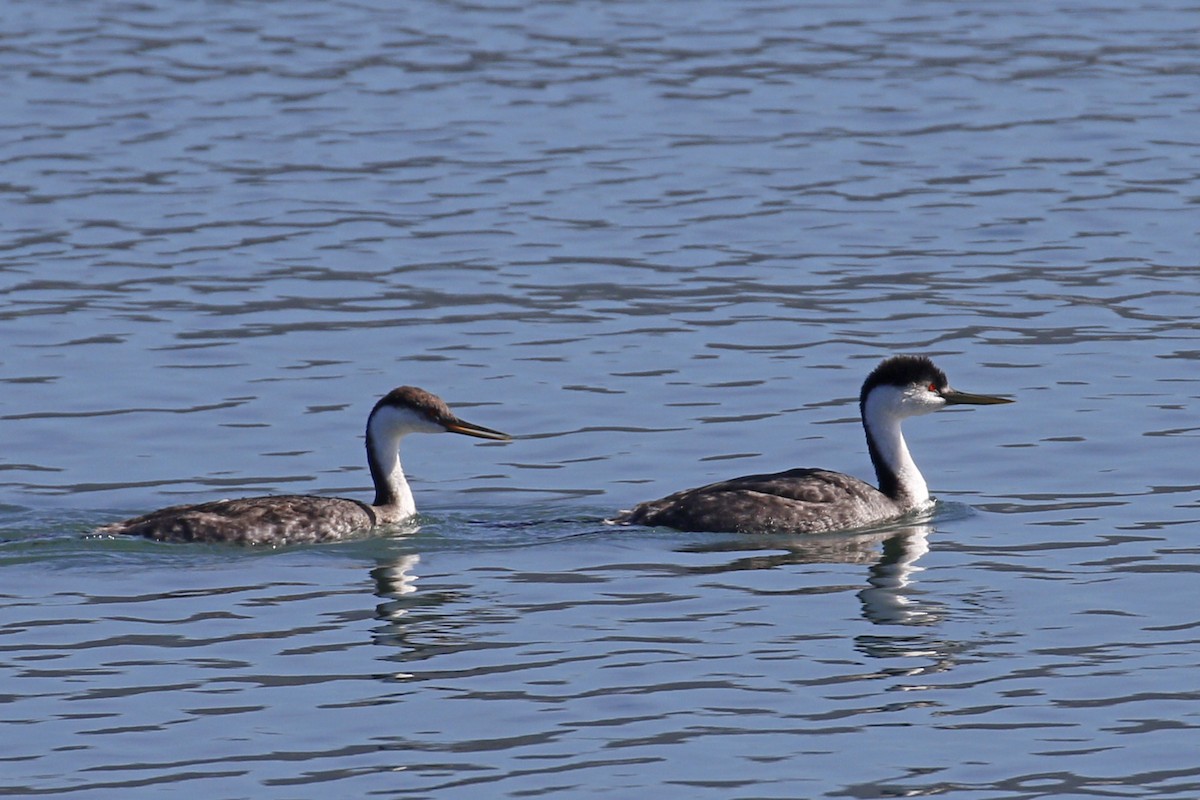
(660, 246)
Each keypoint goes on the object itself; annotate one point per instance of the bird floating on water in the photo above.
(818, 500)
(297, 519)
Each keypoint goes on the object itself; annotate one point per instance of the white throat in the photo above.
(386, 427)
(886, 407)
(398, 498)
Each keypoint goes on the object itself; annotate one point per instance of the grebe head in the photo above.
(902, 387)
(408, 409)
(402, 411)
(908, 386)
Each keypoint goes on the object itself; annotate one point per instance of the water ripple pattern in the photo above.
(661, 245)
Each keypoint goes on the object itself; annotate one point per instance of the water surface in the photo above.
(660, 248)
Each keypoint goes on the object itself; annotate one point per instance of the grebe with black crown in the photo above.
(818, 500)
(300, 519)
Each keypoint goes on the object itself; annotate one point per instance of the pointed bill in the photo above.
(470, 429)
(954, 397)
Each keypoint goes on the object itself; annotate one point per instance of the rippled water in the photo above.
(660, 244)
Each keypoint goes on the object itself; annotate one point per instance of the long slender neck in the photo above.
(898, 475)
(391, 487)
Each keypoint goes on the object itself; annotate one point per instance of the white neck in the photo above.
(889, 450)
(395, 494)
(386, 426)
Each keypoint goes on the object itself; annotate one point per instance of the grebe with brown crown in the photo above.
(817, 500)
(302, 519)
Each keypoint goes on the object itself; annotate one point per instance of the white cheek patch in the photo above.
(905, 401)
(920, 399)
(404, 420)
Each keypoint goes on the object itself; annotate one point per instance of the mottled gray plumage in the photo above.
(306, 519)
(799, 500)
(275, 520)
(818, 500)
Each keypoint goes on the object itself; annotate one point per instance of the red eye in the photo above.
(933, 388)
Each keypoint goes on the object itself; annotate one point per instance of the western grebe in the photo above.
(818, 500)
(297, 519)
